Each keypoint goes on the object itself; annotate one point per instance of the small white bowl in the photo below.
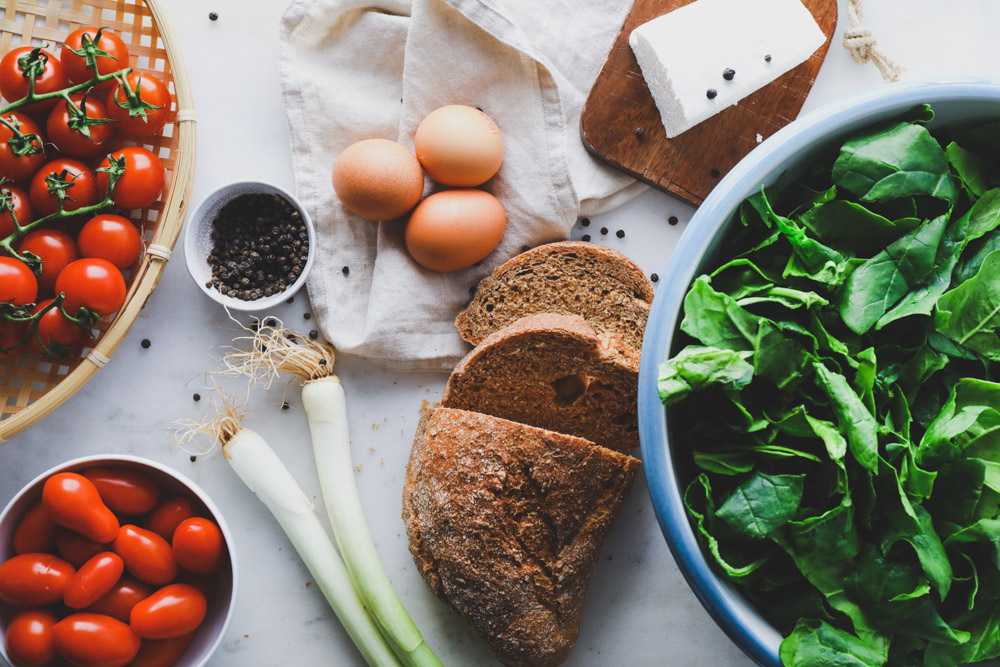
(198, 243)
(172, 483)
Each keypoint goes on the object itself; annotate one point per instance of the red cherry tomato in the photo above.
(92, 581)
(20, 159)
(199, 546)
(29, 638)
(12, 334)
(95, 640)
(162, 652)
(142, 182)
(147, 555)
(171, 512)
(206, 584)
(77, 549)
(125, 490)
(76, 63)
(152, 92)
(94, 283)
(55, 248)
(111, 237)
(14, 84)
(21, 210)
(56, 336)
(73, 502)
(34, 579)
(18, 284)
(172, 611)
(124, 595)
(62, 128)
(81, 191)
(35, 532)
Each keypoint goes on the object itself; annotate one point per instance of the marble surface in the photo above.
(639, 610)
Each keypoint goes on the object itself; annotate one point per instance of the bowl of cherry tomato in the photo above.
(114, 560)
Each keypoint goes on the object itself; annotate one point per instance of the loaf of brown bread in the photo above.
(554, 372)
(505, 523)
(571, 277)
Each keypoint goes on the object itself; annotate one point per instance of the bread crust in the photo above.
(506, 522)
(569, 277)
(555, 372)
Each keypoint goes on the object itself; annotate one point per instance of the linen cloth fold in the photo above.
(360, 69)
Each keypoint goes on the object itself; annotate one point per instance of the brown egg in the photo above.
(378, 179)
(454, 229)
(459, 146)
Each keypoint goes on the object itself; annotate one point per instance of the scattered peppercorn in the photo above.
(585, 237)
(604, 230)
(620, 233)
(655, 278)
(728, 74)
(313, 334)
(260, 246)
(672, 220)
(585, 222)
(290, 299)
(639, 133)
(322, 362)
(285, 406)
(196, 397)
(306, 316)
(212, 16)
(145, 343)
(716, 173)
(193, 458)
(480, 109)
(346, 270)
(767, 58)
(711, 93)
(270, 322)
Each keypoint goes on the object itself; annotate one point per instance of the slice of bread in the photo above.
(505, 523)
(554, 372)
(571, 277)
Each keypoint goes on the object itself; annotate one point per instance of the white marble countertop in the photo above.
(639, 610)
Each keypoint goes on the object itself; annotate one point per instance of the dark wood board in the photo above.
(621, 124)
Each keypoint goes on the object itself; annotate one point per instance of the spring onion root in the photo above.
(263, 473)
(275, 350)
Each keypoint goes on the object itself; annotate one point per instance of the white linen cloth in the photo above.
(359, 69)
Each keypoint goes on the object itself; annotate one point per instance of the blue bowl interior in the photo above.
(777, 160)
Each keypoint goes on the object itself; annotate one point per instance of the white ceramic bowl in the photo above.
(198, 243)
(774, 163)
(172, 483)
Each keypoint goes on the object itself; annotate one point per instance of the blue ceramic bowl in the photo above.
(775, 161)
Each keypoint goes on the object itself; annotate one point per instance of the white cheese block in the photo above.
(684, 55)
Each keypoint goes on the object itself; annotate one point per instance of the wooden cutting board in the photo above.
(621, 125)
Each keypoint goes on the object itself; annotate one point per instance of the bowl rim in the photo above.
(730, 610)
(198, 218)
(213, 509)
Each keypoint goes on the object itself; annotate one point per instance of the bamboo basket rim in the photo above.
(158, 251)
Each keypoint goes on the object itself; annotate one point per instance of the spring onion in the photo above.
(275, 349)
(262, 471)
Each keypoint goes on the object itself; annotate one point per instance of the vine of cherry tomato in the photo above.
(54, 160)
(116, 594)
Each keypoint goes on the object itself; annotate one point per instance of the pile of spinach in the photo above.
(838, 398)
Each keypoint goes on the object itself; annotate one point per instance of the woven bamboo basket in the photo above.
(32, 388)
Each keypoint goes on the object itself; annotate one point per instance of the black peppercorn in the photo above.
(585, 237)
(655, 278)
(306, 316)
(604, 230)
(716, 173)
(196, 397)
(767, 58)
(728, 74)
(313, 334)
(346, 270)
(290, 299)
(145, 343)
(193, 458)
(212, 16)
(672, 220)
(322, 362)
(639, 133)
(620, 233)
(711, 93)
(285, 406)
(585, 222)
